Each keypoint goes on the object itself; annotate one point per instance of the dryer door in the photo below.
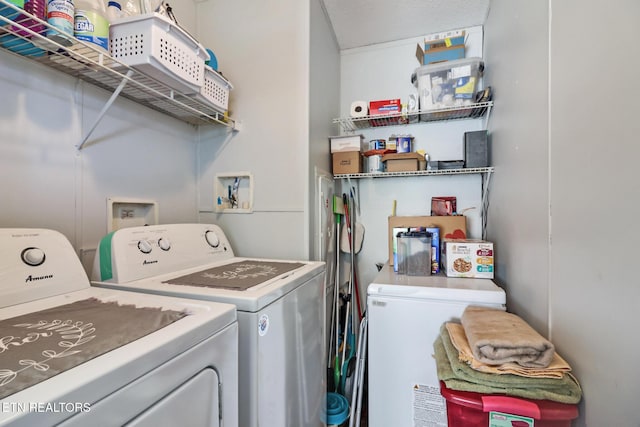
(199, 395)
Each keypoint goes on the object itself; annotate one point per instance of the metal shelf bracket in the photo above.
(106, 107)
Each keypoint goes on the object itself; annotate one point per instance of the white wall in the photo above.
(383, 71)
(569, 237)
(263, 48)
(324, 97)
(134, 153)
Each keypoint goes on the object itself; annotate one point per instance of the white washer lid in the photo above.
(102, 375)
(251, 300)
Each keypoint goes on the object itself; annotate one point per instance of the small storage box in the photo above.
(448, 84)
(346, 143)
(156, 46)
(465, 409)
(467, 258)
(215, 90)
(401, 162)
(345, 162)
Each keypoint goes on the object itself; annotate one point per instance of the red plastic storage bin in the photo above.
(468, 409)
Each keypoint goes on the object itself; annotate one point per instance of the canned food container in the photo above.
(404, 143)
(374, 163)
(377, 144)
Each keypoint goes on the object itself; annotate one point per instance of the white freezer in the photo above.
(405, 315)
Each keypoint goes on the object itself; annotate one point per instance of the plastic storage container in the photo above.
(449, 83)
(469, 409)
(414, 253)
(156, 46)
(90, 23)
(215, 90)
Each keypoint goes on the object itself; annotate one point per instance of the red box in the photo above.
(469, 409)
(443, 206)
(385, 107)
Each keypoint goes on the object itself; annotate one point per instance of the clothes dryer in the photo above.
(280, 303)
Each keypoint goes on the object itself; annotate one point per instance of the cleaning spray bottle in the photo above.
(60, 15)
(91, 23)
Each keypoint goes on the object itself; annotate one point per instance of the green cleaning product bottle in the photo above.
(91, 24)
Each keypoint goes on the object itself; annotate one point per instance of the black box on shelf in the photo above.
(476, 149)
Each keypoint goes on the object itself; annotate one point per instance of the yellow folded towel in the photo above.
(556, 369)
(498, 337)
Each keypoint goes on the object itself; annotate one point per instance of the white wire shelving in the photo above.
(481, 110)
(471, 111)
(24, 35)
(460, 171)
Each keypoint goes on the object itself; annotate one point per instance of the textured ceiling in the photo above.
(359, 23)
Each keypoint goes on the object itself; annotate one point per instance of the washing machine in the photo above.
(76, 355)
(280, 304)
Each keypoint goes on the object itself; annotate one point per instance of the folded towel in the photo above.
(556, 369)
(498, 337)
(459, 376)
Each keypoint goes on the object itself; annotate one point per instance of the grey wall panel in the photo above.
(594, 297)
(516, 64)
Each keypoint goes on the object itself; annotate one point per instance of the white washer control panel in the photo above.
(37, 263)
(141, 252)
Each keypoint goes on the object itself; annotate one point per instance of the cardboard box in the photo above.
(401, 162)
(346, 162)
(444, 39)
(467, 258)
(385, 107)
(435, 249)
(451, 227)
(346, 143)
(439, 54)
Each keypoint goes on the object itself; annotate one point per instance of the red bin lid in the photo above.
(536, 409)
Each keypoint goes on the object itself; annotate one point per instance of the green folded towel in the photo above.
(458, 375)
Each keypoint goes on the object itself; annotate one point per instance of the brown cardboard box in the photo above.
(346, 162)
(402, 162)
(451, 227)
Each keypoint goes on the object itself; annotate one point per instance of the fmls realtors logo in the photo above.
(31, 278)
(145, 262)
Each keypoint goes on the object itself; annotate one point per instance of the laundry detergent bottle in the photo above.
(90, 23)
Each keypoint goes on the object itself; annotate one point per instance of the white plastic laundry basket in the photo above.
(156, 46)
(215, 90)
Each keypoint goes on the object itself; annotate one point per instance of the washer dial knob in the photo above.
(33, 256)
(164, 244)
(212, 239)
(144, 246)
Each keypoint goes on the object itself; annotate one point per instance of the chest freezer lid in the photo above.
(437, 287)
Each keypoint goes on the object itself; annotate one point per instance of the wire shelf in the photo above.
(472, 111)
(461, 171)
(23, 35)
